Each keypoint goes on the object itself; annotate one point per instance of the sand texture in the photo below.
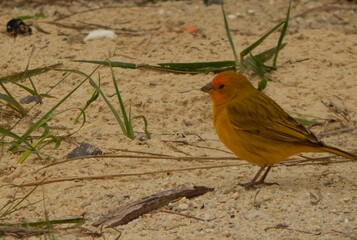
(318, 64)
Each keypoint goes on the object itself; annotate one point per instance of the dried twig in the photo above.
(325, 8)
(289, 163)
(183, 215)
(64, 179)
(133, 210)
(156, 157)
(22, 232)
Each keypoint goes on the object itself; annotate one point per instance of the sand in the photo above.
(319, 63)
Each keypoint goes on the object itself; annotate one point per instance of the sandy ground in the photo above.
(318, 63)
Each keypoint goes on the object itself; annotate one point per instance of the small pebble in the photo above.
(235, 195)
(251, 11)
(183, 206)
(316, 229)
(256, 214)
(231, 16)
(346, 200)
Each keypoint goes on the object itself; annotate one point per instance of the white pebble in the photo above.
(231, 16)
(251, 11)
(101, 33)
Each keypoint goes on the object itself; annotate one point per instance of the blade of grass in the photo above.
(194, 67)
(127, 120)
(113, 63)
(8, 133)
(12, 205)
(47, 115)
(118, 118)
(258, 42)
(46, 135)
(32, 72)
(229, 36)
(27, 153)
(266, 55)
(36, 16)
(12, 103)
(77, 221)
(88, 103)
(282, 34)
(147, 133)
(304, 121)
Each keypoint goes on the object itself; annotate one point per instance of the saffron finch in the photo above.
(257, 129)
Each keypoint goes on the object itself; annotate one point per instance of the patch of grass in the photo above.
(34, 228)
(21, 142)
(124, 118)
(256, 63)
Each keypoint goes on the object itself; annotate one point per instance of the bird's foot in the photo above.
(254, 185)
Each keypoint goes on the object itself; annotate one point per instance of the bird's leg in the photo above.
(262, 179)
(253, 182)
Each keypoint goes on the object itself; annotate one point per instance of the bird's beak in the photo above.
(207, 88)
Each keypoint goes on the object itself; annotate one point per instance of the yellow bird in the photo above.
(257, 129)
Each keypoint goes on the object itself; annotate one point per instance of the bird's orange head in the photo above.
(226, 86)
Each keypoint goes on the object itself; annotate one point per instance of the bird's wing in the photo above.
(262, 116)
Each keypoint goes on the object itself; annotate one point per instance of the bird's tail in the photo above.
(339, 152)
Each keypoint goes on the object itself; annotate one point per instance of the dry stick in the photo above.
(183, 215)
(133, 210)
(22, 232)
(140, 157)
(54, 180)
(44, 181)
(141, 152)
(337, 131)
(285, 226)
(325, 8)
(25, 232)
(96, 9)
(197, 146)
(291, 162)
(309, 161)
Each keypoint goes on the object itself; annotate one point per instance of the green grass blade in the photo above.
(27, 153)
(304, 121)
(282, 34)
(12, 205)
(198, 67)
(113, 64)
(262, 84)
(127, 121)
(32, 72)
(266, 55)
(13, 103)
(258, 42)
(93, 98)
(12, 135)
(146, 131)
(256, 63)
(115, 113)
(46, 135)
(229, 36)
(77, 221)
(27, 89)
(193, 67)
(47, 115)
(36, 16)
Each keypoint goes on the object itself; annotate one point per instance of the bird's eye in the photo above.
(221, 86)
